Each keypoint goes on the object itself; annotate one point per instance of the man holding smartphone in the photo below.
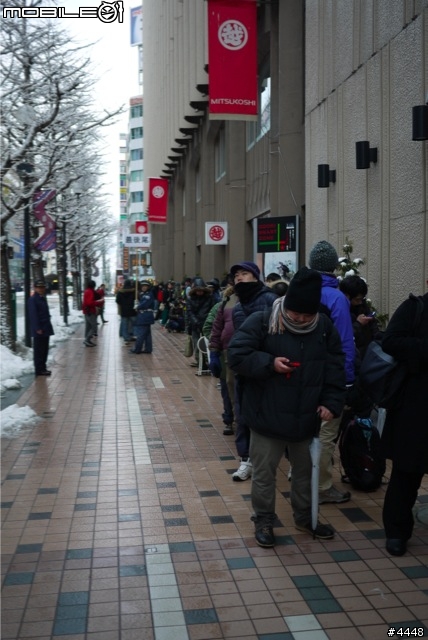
(292, 364)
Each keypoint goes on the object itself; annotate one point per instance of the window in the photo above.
(136, 154)
(136, 176)
(219, 154)
(136, 132)
(137, 111)
(122, 180)
(257, 129)
(136, 196)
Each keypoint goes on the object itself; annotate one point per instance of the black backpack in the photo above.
(381, 376)
(361, 456)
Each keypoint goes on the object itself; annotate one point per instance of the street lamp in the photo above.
(25, 169)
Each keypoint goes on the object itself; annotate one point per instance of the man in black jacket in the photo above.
(41, 327)
(293, 366)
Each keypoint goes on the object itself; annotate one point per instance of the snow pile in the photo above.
(15, 418)
(15, 365)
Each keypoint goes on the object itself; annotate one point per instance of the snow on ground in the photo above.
(15, 365)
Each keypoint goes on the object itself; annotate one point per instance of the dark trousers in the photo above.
(227, 414)
(242, 438)
(40, 352)
(399, 501)
(143, 334)
(90, 326)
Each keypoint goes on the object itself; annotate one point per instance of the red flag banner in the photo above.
(232, 57)
(158, 200)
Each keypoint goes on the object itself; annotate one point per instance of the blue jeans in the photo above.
(143, 334)
(126, 328)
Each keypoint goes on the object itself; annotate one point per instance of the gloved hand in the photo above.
(215, 364)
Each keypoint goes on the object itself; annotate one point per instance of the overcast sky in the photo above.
(116, 65)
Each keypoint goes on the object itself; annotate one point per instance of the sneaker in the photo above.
(194, 364)
(228, 430)
(322, 532)
(88, 343)
(126, 343)
(244, 472)
(333, 495)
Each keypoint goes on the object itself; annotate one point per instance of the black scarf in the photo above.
(246, 291)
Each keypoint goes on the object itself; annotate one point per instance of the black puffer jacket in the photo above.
(198, 305)
(405, 435)
(284, 407)
(125, 299)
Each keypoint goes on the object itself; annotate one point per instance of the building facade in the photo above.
(330, 74)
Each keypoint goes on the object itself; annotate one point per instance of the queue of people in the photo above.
(286, 353)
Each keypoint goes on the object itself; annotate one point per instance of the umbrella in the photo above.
(315, 451)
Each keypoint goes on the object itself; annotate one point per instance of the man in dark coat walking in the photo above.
(405, 435)
(41, 327)
(293, 366)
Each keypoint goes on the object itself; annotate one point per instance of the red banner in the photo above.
(158, 200)
(141, 226)
(232, 57)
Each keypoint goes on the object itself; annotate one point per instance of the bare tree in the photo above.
(48, 122)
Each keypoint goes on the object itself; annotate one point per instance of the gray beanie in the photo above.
(323, 257)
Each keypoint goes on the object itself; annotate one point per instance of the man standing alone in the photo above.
(41, 327)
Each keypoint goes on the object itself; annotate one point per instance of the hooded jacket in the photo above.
(338, 307)
(281, 406)
(198, 306)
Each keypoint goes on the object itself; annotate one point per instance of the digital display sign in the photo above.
(276, 235)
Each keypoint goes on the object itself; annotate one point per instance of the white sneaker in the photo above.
(244, 472)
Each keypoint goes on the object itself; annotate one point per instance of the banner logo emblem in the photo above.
(233, 35)
(216, 233)
(158, 192)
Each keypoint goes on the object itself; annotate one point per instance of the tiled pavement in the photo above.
(121, 521)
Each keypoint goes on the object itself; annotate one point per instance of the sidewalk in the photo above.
(121, 520)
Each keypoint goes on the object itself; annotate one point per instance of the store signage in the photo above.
(276, 235)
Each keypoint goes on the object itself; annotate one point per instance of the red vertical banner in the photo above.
(158, 200)
(232, 58)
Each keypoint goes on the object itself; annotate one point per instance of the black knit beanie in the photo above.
(323, 257)
(304, 293)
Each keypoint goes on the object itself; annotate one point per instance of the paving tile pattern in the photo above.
(120, 519)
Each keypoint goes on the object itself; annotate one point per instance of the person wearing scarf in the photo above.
(292, 365)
